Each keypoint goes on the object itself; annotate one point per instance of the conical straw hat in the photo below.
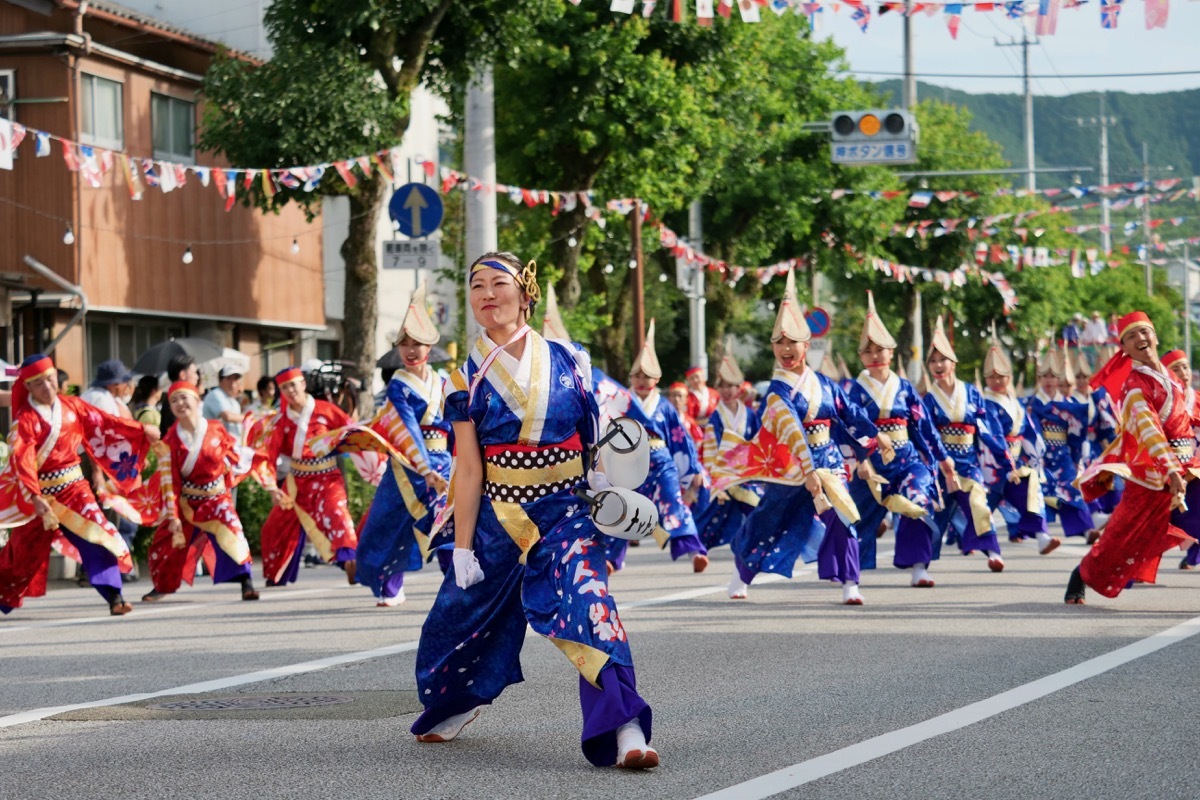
(552, 324)
(417, 323)
(940, 342)
(647, 360)
(996, 362)
(790, 322)
(873, 329)
(728, 370)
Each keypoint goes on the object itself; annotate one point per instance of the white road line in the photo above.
(307, 666)
(879, 746)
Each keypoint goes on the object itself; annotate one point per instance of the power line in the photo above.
(1010, 77)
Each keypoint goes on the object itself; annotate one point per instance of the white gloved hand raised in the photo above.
(467, 571)
(598, 481)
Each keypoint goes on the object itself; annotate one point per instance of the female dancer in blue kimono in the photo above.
(958, 411)
(525, 549)
(674, 463)
(783, 527)
(1063, 425)
(727, 512)
(1101, 432)
(395, 533)
(1019, 496)
(909, 486)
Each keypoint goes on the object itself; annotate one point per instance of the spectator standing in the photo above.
(146, 396)
(1072, 332)
(264, 400)
(1095, 338)
(222, 403)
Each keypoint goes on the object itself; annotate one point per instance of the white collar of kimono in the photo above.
(1016, 411)
(1045, 398)
(524, 384)
(52, 414)
(650, 402)
(192, 442)
(954, 403)
(806, 384)
(733, 420)
(427, 388)
(301, 418)
(883, 393)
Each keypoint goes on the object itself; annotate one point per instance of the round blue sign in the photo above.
(818, 321)
(417, 209)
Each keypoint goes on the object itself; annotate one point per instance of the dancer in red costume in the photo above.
(313, 503)
(200, 462)
(1155, 453)
(44, 492)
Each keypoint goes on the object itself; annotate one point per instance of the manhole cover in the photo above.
(255, 703)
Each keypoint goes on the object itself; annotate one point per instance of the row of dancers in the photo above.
(493, 474)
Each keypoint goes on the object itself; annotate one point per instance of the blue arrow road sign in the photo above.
(417, 209)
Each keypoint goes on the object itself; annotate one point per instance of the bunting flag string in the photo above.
(922, 198)
(1042, 14)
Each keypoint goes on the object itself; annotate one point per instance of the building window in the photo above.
(276, 350)
(174, 123)
(103, 113)
(126, 339)
(8, 93)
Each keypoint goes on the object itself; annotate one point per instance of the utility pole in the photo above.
(908, 98)
(1030, 174)
(1146, 218)
(1105, 204)
(479, 157)
(638, 279)
(1187, 303)
(696, 301)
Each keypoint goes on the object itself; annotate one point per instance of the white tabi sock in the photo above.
(993, 554)
(632, 750)
(850, 592)
(392, 602)
(919, 574)
(738, 588)
(451, 726)
(1043, 539)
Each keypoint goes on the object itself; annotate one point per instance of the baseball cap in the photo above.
(229, 371)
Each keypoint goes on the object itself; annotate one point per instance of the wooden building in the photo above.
(100, 75)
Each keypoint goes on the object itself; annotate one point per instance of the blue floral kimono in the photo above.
(535, 420)
(1063, 425)
(784, 526)
(1021, 504)
(725, 515)
(968, 437)
(672, 454)
(395, 533)
(1102, 431)
(911, 489)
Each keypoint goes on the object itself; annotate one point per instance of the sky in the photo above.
(1080, 46)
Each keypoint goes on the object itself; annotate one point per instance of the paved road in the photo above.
(985, 687)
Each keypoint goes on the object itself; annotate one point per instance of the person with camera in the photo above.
(312, 504)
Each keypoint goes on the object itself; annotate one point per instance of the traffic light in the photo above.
(874, 136)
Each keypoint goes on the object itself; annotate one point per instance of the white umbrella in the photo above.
(228, 358)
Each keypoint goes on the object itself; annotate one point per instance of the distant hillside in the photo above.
(1168, 122)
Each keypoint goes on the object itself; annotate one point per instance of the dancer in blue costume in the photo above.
(907, 485)
(525, 552)
(1101, 432)
(1019, 495)
(958, 411)
(1063, 425)
(674, 464)
(395, 535)
(727, 512)
(783, 527)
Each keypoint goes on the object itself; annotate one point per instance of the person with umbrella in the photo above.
(312, 505)
(43, 490)
(395, 533)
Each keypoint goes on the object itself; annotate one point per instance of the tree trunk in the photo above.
(361, 309)
(566, 225)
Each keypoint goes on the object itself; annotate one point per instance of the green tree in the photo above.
(339, 85)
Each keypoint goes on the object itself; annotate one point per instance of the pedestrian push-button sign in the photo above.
(416, 209)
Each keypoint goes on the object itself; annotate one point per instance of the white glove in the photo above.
(598, 481)
(467, 571)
